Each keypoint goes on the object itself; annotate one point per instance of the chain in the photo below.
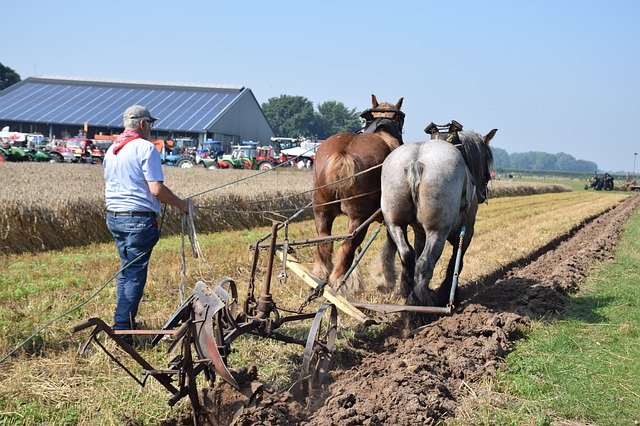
(317, 292)
(285, 250)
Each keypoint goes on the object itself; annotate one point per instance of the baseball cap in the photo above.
(137, 111)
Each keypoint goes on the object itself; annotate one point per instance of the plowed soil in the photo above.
(421, 379)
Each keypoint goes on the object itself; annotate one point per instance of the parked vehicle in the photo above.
(9, 152)
(207, 155)
(303, 155)
(241, 157)
(61, 154)
(179, 152)
(267, 159)
(13, 152)
(85, 150)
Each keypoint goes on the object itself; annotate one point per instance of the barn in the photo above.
(60, 107)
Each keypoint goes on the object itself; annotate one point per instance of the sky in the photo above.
(550, 75)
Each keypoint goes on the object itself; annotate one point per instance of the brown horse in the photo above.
(342, 184)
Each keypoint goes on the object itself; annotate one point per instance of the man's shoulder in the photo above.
(144, 144)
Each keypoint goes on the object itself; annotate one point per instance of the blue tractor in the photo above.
(180, 152)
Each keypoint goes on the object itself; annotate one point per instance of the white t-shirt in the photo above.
(126, 175)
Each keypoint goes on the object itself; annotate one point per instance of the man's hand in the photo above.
(185, 205)
(165, 195)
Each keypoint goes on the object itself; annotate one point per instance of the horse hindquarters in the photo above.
(398, 210)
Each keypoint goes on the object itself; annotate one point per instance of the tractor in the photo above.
(266, 158)
(179, 152)
(9, 152)
(241, 157)
(210, 152)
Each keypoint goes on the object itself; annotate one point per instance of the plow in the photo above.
(201, 331)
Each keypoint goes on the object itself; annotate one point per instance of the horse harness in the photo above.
(449, 132)
(393, 126)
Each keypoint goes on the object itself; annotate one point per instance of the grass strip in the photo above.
(583, 367)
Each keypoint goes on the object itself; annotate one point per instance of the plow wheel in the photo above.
(318, 351)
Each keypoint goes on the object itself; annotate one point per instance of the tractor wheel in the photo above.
(185, 163)
(264, 166)
(213, 166)
(55, 158)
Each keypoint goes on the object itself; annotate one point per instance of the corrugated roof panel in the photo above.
(197, 119)
(179, 107)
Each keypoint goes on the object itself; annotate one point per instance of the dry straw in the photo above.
(52, 206)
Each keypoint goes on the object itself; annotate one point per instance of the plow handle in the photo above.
(88, 323)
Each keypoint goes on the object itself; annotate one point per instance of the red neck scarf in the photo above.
(123, 139)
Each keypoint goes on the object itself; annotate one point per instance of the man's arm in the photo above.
(165, 195)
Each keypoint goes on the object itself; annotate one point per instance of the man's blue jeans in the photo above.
(135, 238)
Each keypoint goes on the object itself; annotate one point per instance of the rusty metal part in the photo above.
(319, 240)
(181, 315)
(358, 257)
(205, 305)
(100, 326)
(318, 351)
(265, 303)
(396, 309)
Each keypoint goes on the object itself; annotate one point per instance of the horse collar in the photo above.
(384, 124)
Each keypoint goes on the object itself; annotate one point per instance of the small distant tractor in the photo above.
(85, 150)
(9, 152)
(600, 183)
(179, 152)
(209, 153)
(267, 159)
(241, 157)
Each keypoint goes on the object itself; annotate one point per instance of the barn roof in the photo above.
(100, 102)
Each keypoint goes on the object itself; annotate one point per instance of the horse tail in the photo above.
(340, 170)
(413, 178)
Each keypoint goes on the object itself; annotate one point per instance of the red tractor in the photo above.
(84, 150)
(266, 158)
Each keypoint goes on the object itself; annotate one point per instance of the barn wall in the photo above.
(244, 118)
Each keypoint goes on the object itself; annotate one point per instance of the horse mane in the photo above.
(478, 157)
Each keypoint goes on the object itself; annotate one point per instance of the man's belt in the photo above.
(131, 214)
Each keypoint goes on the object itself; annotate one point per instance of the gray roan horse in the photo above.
(434, 187)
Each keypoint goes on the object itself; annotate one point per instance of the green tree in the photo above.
(7, 77)
(543, 161)
(565, 162)
(290, 116)
(333, 117)
(501, 159)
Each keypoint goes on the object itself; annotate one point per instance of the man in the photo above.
(134, 189)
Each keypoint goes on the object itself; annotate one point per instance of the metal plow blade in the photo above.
(206, 304)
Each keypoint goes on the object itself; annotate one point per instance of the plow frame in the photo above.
(208, 321)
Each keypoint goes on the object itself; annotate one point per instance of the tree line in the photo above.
(295, 116)
(540, 162)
